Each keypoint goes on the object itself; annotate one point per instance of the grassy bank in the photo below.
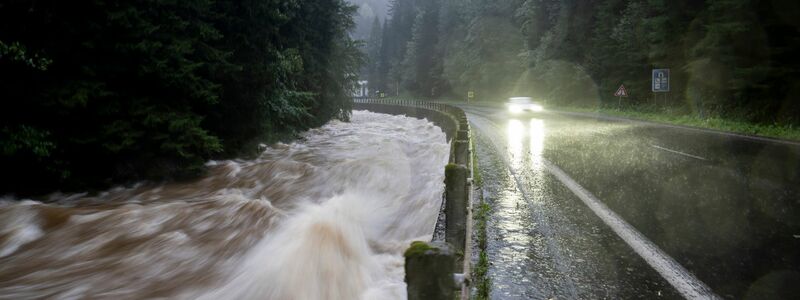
(779, 131)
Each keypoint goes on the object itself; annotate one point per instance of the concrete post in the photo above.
(455, 177)
(461, 152)
(429, 271)
(463, 135)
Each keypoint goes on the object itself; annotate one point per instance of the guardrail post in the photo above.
(462, 135)
(429, 271)
(455, 177)
(461, 152)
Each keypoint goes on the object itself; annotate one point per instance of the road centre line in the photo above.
(679, 277)
(678, 152)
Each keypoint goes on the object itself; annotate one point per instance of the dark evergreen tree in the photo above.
(374, 55)
(108, 91)
(727, 57)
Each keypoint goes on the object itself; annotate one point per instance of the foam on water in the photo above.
(326, 217)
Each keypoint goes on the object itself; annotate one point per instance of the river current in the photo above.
(326, 217)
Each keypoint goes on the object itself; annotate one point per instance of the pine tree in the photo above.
(374, 55)
(109, 91)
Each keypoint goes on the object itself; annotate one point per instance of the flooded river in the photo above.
(327, 217)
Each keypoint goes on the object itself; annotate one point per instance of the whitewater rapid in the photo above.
(326, 217)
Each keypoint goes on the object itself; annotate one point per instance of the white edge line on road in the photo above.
(680, 278)
(689, 286)
(678, 152)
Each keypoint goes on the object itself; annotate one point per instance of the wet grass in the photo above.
(476, 176)
(482, 281)
(480, 276)
(780, 131)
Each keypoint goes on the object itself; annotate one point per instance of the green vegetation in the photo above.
(451, 168)
(480, 276)
(102, 92)
(476, 175)
(418, 248)
(729, 59)
(483, 284)
(481, 279)
(17, 53)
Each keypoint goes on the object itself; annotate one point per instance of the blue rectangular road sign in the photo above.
(660, 80)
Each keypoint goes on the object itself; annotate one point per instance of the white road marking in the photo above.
(689, 286)
(680, 278)
(678, 152)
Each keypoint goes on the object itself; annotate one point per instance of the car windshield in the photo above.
(519, 100)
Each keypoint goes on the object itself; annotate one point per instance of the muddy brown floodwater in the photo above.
(326, 217)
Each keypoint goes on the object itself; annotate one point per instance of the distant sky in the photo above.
(367, 10)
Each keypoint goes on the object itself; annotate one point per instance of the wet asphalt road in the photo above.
(725, 208)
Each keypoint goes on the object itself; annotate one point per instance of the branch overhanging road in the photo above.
(592, 208)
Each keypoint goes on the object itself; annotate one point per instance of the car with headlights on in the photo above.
(523, 104)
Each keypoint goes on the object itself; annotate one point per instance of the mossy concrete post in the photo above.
(456, 205)
(461, 152)
(429, 271)
(461, 146)
(462, 134)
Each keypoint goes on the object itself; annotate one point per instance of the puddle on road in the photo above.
(549, 245)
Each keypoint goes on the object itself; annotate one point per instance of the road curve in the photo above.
(718, 212)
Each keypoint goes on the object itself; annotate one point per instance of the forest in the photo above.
(734, 59)
(96, 93)
(105, 92)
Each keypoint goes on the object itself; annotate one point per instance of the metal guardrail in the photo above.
(453, 111)
(437, 269)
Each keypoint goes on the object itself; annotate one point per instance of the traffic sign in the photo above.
(621, 91)
(660, 80)
(470, 94)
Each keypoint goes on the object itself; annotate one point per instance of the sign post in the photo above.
(621, 92)
(661, 82)
(470, 96)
